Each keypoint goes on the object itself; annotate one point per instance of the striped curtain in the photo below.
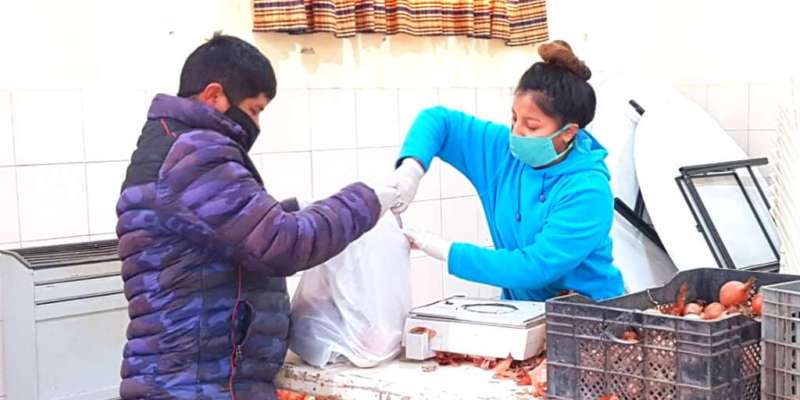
(518, 22)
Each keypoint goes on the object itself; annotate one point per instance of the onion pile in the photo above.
(735, 297)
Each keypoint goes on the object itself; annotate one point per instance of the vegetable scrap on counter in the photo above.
(531, 372)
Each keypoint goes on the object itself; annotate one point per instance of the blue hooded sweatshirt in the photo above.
(550, 226)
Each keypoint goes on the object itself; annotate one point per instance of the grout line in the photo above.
(37, 242)
(16, 171)
(85, 167)
(357, 134)
(311, 145)
(397, 118)
(71, 163)
(356, 131)
(474, 102)
(747, 114)
(442, 264)
(307, 96)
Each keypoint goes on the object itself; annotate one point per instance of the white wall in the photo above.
(81, 73)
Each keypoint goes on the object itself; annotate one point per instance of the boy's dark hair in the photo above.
(241, 69)
(560, 85)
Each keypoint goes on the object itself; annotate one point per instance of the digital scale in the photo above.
(476, 327)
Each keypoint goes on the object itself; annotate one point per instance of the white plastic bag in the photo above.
(355, 304)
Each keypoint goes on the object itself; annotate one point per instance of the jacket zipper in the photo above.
(236, 355)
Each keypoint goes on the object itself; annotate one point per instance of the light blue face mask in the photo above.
(537, 151)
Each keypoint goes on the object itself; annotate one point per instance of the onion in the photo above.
(734, 293)
(713, 311)
(630, 335)
(694, 308)
(692, 316)
(758, 301)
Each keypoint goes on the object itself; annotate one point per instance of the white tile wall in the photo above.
(56, 242)
(103, 236)
(355, 134)
(458, 287)
(494, 104)
(52, 201)
(375, 166)
(332, 170)
(427, 283)
(409, 103)
(113, 121)
(454, 183)
(761, 143)
(48, 126)
(484, 236)
(696, 93)
(764, 100)
(740, 137)
(285, 123)
(377, 118)
(333, 119)
(6, 133)
(103, 182)
(728, 104)
(431, 185)
(461, 99)
(287, 175)
(9, 220)
(424, 215)
(459, 222)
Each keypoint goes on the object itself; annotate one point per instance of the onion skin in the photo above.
(757, 303)
(735, 293)
(713, 311)
(630, 335)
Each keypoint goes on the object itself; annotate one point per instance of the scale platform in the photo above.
(477, 327)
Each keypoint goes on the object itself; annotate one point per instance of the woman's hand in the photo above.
(406, 179)
(433, 245)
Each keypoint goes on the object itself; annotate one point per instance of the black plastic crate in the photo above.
(780, 341)
(675, 359)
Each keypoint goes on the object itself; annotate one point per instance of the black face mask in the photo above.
(250, 128)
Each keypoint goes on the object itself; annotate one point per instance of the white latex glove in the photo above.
(388, 196)
(433, 245)
(406, 179)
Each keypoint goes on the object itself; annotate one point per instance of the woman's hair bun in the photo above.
(559, 53)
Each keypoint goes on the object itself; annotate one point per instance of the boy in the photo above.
(205, 248)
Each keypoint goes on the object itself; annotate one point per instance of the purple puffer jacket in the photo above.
(205, 250)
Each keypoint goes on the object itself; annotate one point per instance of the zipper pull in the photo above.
(238, 354)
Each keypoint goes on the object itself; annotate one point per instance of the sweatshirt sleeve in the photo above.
(471, 145)
(216, 202)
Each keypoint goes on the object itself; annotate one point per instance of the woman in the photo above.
(543, 184)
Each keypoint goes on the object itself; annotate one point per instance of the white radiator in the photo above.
(64, 322)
